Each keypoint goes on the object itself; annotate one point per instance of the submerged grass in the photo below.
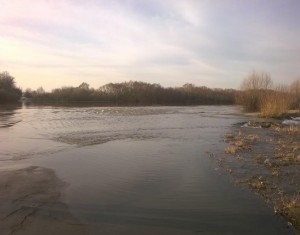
(290, 207)
(231, 150)
(291, 129)
(268, 161)
(238, 142)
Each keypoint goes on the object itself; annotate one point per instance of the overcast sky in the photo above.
(215, 43)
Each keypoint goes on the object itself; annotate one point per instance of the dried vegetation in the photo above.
(267, 160)
(258, 94)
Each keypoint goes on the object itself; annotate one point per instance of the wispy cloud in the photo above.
(213, 43)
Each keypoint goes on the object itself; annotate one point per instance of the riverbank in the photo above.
(30, 203)
(265, 156)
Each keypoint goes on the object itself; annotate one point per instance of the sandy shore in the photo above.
(265, 157)
(30, 203)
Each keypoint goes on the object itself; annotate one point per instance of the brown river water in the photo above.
(138, 170)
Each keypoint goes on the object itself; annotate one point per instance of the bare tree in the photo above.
(257, 81)
(254, 89)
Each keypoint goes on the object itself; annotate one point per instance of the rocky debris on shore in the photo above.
(275, 123)
(262, 124)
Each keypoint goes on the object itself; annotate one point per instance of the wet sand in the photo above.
(30, 203)
(265, 157)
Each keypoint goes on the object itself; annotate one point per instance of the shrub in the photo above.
(253, 89)
(258, 95)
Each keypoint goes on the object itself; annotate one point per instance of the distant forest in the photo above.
(8, 90)
(126, 93)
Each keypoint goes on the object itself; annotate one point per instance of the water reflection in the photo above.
(9, 116)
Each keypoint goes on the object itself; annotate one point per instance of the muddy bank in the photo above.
(30, 203)
(265, 156)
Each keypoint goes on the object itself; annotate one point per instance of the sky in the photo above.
(213, 43)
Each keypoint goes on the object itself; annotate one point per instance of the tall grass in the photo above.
(258, 94)
(275, 103)
(253, 90)
(295, 92)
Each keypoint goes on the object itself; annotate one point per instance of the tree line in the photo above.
(125, 93)
(135, 93)
(256, 94)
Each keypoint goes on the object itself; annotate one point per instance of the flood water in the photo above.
(138, 170)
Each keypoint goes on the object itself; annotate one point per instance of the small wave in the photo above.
(95, 138)
(9, 118)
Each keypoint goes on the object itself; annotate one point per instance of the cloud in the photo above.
(172, 41)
